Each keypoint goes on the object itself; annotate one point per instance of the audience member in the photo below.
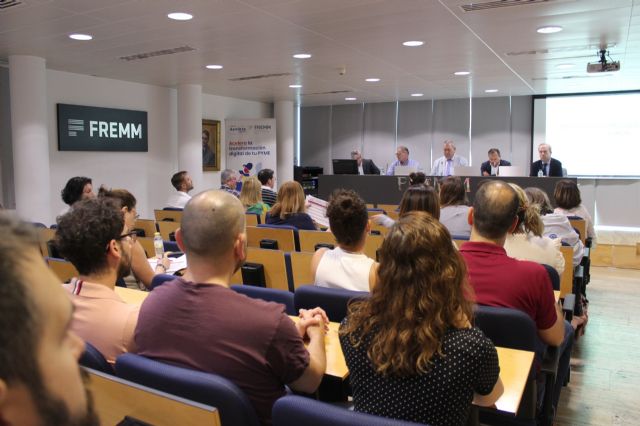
(251, 196)
(444, 165)
(417, 178)
(526, 241)
(410, 348)
(290, 208)
(491, 167)
(569, 202)
(454, 211)
(365, 166)
(139, 264)
(546, 166)
(182, 182)
(94, 238)
(345, 266)
(500, 280)
(402, 155)
(40, 381)
(416, 198)
(556, 226)
(266, 178)
(229, 182)
(199, 322)
(77, 188)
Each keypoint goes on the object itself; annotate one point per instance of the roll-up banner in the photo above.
(86, 128)
(251, 145)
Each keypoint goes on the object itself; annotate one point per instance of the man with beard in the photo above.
(199, 322)
(40, 381)
(92, 237)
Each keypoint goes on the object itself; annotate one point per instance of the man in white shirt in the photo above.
(444, 165)
(182, 182)
(269, 196)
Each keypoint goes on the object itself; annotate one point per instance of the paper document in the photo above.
(317, 209)
(177, 263)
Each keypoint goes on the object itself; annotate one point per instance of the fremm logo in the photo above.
(111, 129)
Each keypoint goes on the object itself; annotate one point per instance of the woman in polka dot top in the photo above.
(410, 348)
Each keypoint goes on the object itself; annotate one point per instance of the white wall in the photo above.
(146, 174)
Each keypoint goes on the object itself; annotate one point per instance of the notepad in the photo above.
(317, 209)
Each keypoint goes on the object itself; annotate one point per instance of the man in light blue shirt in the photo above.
(402, 153)
(444, 165)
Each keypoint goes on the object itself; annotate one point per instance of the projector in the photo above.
(603, 67)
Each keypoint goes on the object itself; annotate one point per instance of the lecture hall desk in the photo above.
(514, 364)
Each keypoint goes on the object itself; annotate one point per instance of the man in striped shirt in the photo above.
(269, 196)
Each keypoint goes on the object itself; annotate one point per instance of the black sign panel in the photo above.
(84, 128)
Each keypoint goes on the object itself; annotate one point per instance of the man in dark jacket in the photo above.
(490, 168)
(547, 165)
(365, 167)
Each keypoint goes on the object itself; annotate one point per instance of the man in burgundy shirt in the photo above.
(499, 280)
(197, 321)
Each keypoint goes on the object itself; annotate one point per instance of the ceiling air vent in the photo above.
(147, 55)
(258, 77)
(474, 7)
(332, 92)
(5, 4)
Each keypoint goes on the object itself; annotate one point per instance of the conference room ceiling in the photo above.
(251, 38)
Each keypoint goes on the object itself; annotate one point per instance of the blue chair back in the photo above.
(160, 279)
(507, 327)
(334, 301)
(206, 388)
(296, 238)
(92, 358)
(460, 237)
(170, 246)
(268, 294)
(296, 410)
(553, 275)
(174, 209)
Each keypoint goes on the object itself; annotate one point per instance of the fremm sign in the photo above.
(85, 128)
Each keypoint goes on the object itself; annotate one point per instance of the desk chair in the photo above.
(148, 226)
(46, 235)
(115, 399)
(63, 269)
(275, 268)
(269, 294)
(168, 215)
(167, 228)
(252, 219)
(333, 300)
(205, 388)
(310, 239)
(296, 410)
(92, 358)
(296, 239)
(300, 267)
(284, 237)
(372, 244)
(160, 279)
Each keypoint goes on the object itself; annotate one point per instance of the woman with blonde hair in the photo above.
(410, 348)
(526, 242)
(139, 264)
(251, 196)
(290, 208)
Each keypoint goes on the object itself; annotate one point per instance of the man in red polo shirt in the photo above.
(499, 280)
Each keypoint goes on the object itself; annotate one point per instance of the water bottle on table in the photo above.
(158, 245)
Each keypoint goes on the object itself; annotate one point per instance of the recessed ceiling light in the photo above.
(180, 16)
(350, 99)
(491, 91)
(462, 73)
(302, 55)
(81, 37)
(564, 66)
(413, 43)
(417, 95)
(214, 67)
(372, 80)
(295, 86)
(549, 29)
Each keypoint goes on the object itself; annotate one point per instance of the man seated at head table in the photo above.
(445, 165)
(402, 155)
(491, 167)
(197, 321)
(94, 238)
(365, 166)
(499, 280)
(40, 380)
(546, 166)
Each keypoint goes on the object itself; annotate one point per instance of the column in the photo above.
(190, 133)
(30, 139)
(284, 140)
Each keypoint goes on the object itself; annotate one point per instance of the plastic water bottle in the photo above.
(158, 245)
(540, 173)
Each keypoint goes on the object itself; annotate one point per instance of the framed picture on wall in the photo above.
(210, 145)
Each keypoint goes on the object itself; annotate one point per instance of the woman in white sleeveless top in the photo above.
(346, 266)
